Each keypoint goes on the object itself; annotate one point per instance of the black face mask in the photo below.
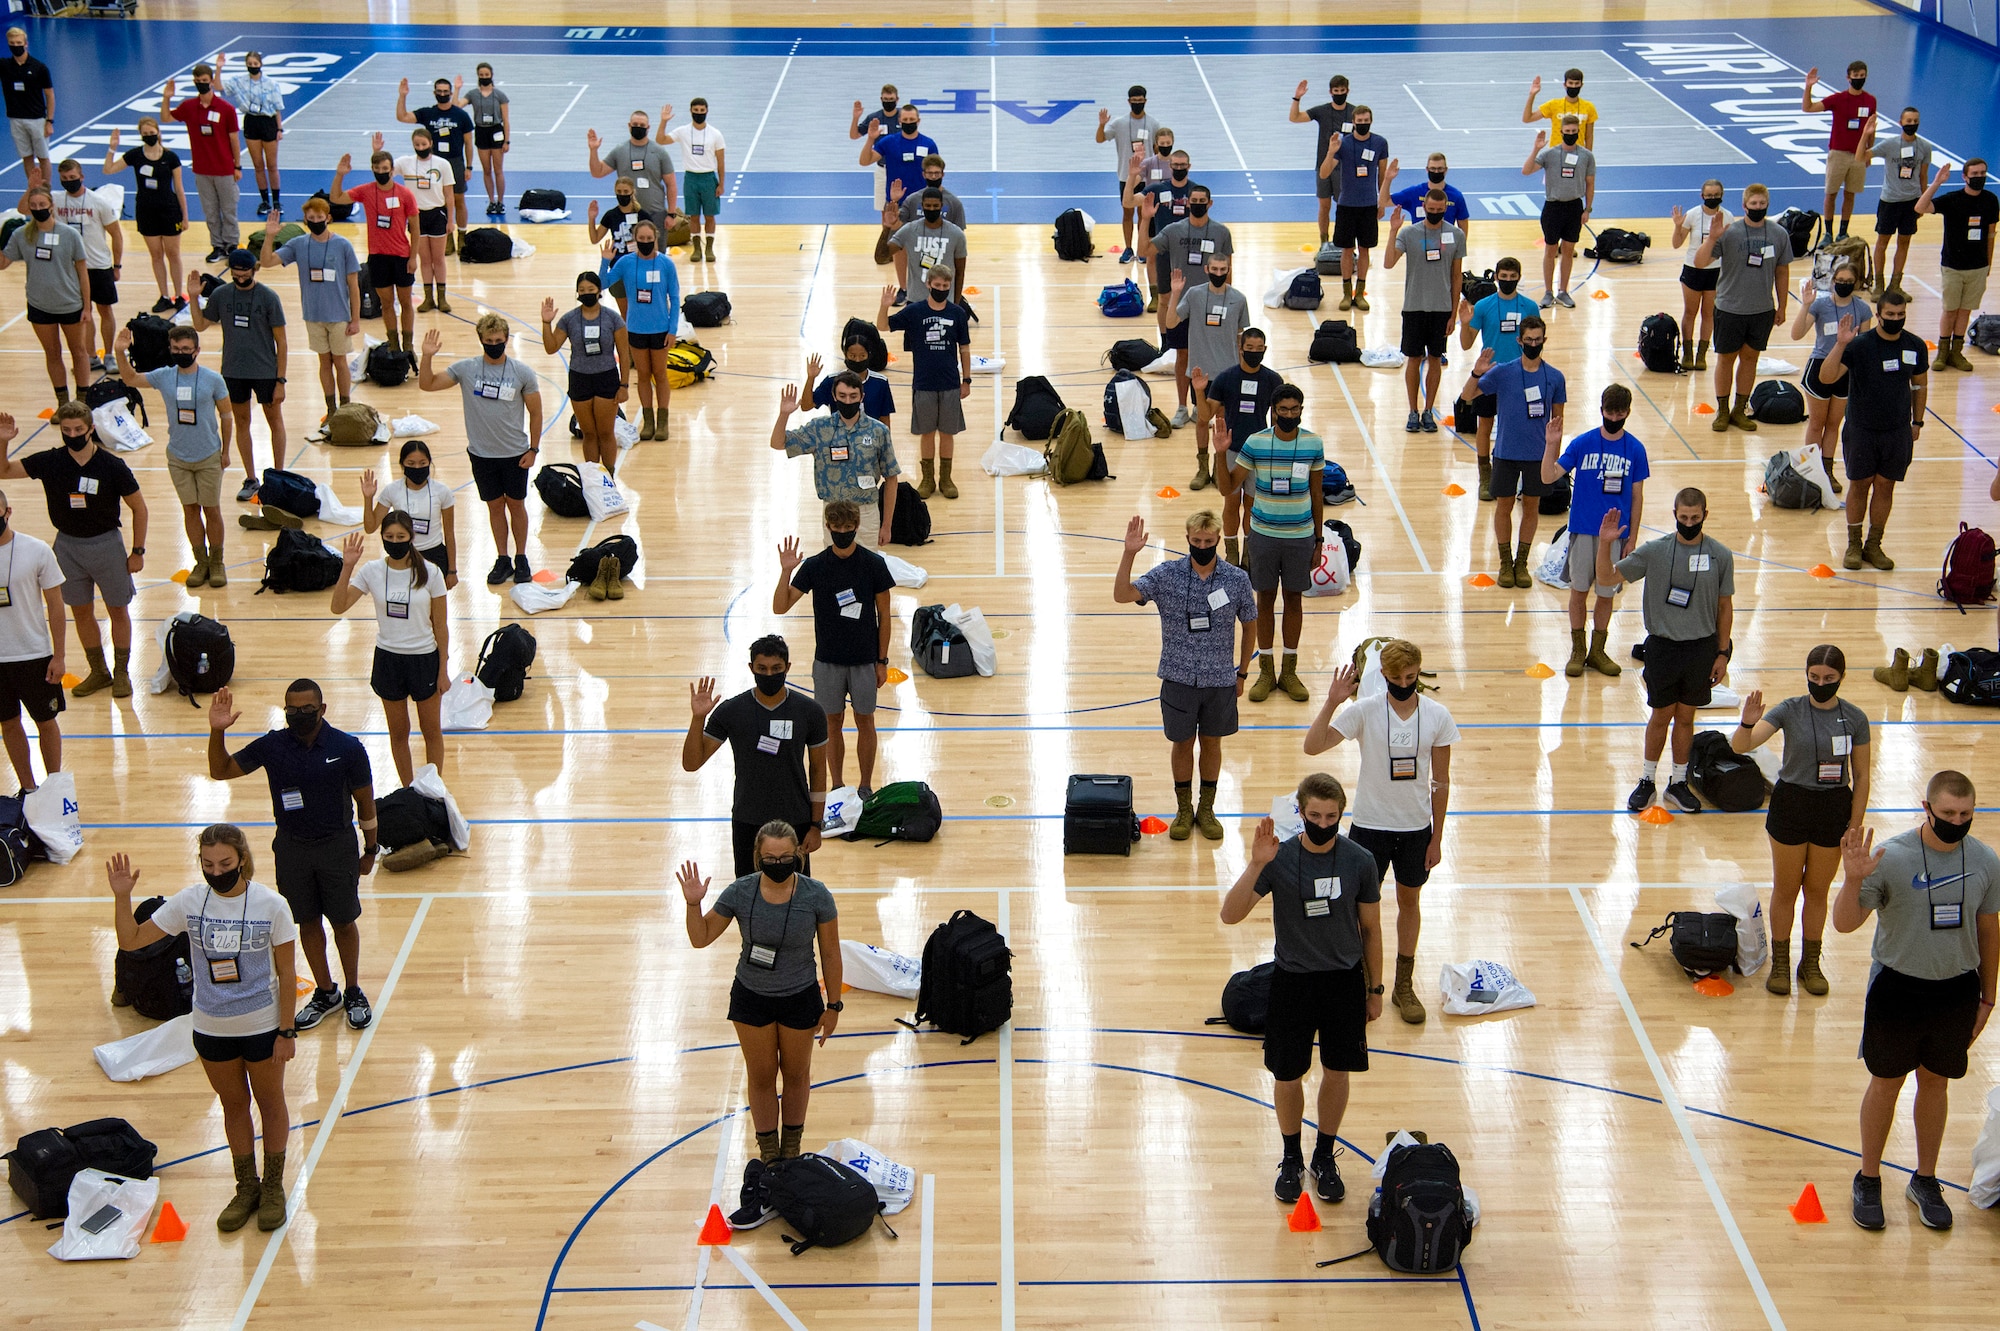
(1613, 426)
(644, 246)
(1690, 531)
(1843, 289)
(242, 278)
(1401, 692)
(770, 685)
(1911, 129)
(397, 549)
(931, 215)
(443, 98)
(1180, 174)
(1822, 692)
(1949, 833)
(317, 227)
(909, 129)
(638, 132)
(1218, 280)
(1253, 358)
(625, 200)
(848, 410)
(1575, 90)
(73, 186)
(224, 882)
(588, 299)
(423, 154)
(1974, 184)
(1286, 424)
(1435, 219)
(1437, 177)
(940, 296)
(841, 539)
(1505, 286)
(933, 182)
(780, 871)
(858, 366)
(182, 359)
(1857, 84)
(1532, 350)
(1891, 327)
(302, 721)
(416, 477)
(486, 82)
(1569, 136)
(382, 178)
(76, 443)
(889, 106)
(17, 50)
(1754, 214)
(255, 70)
(1197, 210)
(495, 350)
(699, 117)
(1318, 838)
(1337, 98)
(1711, 201)
(1202, 555)
(201, 89)
(40, 214)
(149, 139)
(1361, 128)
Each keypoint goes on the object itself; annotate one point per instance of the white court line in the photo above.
(924, 1255)
(329, 1120)
(999, 432)
(993, 92)
(1216, 102)
(737, 1260)
(1678, 1110)
(531, 133)
(1006, 1061)
(1368, 441)
(1426, 110)
(702, 1258)
(757, 138)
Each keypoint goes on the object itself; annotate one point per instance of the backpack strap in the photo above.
(1664, 928)
(798, 1245)
(1336, 1261)
(882, 1218)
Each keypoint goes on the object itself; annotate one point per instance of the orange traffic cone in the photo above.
(1152, 826)
(1656, 815)
(1482, 580)
(1539, 670)
(1714, 986)
(1820, 571)
(1304, 1220)
(172, 1229)
(1170, 493)
(1454, 489)
(715, 1230)
(1807, 1210)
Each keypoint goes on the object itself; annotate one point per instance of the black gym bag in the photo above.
(201, 656)
(1036, 406)
(504, 659)
(827, 1202)
(157, 979)
(1246, 1000)
(560, 484)
(42, 1164)
(1703, 942)
(1729, 780)
(1097, 816)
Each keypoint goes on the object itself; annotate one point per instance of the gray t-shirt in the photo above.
(1912, 922)
(1826, 315)
(649, 166)
(1906, 167)
(192, 401)
(791, 930)
(485, 108)
(1700, 575)
(324, 263)
(1816, 738)
(247, 316)
(930, 247)
(911, 209)
(1427, 257)
(1127, 132)
(51, 257)
(1312, 937)
(1214, 319)
(496, 421)
(1751, 257)
(1187, 246)
(1565, 170)
(593, 339)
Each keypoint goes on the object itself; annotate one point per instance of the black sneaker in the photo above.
(1327, 1173)
(1868, 1203)
(503, 569)
(902, 298)
(163, 304)
(1641, 796)
(323, 1003)
(755, 1199)
(359, 1014)
(1929, 1198)
(522, 573)
(1681, 798)
(216, 255)
(1289, 1186)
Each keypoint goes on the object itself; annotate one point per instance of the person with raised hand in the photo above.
(412, 636)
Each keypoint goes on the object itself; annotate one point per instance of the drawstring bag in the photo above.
(1753, 939)
(843, 815)
(601, 494)
(149, 1053)
(52, 814)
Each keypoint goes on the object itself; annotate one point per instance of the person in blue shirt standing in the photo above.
(1496, 320)
(900, 155)
(1528, 411)
(196, 400)
(652, 318)
(1355, 162)
(329, 296)
(938, 336)
(1411, 200)
(1610, 470)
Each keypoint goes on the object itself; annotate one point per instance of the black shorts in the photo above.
(36, 316)
(1486, 406)
(241, 390)
(1896, 219)
(262, 129)
(499, 478)
(1810, 385)
(1562, 220)
(103, 286)
(319, 879)
(1355, 226)
(1332, 1005)
(1187, 711)
(433, 221)
(458, 186)
(1909, 1023)
(1512, 478)
(24, 686)
(160, 219)
(1808, 815)
(1700, 279)
(389, 270)
(226, 1048)
(795, 1012)
(1424, 332)
(488, 136)
(589, 387)
(1735, 331)
(437, 558)
(743, 844)
(1677, 672)
(645, 341)
(1175, 338)
(1402, 851)
(404, 677)
(1883, 453)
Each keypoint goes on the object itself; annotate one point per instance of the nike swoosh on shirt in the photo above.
(1926, 884)
(333, 760)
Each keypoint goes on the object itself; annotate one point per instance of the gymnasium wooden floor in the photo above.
(546, 1104)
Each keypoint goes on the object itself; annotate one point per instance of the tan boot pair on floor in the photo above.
(1900, 675)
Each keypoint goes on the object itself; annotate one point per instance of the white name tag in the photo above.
(1569, 159)
(1532, 393)
(1367, 154)
(639, 181)
(183, 393)
(322, 274)
(1699, 563)
(215, 117)
(1217, 599)
(781, 729)
(393, 201)
(1889, 366)
(292, 800)
(850, 611)
(1829, 328)
(1910, 357)
(1909, 150)
(1972, 232)
(1301, 470)
(1327, 889)
(767, 744)
(1842, 745)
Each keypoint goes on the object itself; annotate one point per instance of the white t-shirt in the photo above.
(402, 609)
(430, 181)
(1698, 221)
(89, 212)
(29, 567)
(1380, 802)
(699, 145)
(240, 929)
(426, 508)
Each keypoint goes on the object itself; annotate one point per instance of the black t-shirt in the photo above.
(1330, 119)
(843, 592)
(83, 501)
(769, 745)
(156, 179)
(1962, 213)
(619, 223)
(23, 82)
(1245, 399)
(933, 337)
(1880, 371)
(450, 127)
(1172, 204)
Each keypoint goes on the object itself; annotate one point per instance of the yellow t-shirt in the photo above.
(1554, 109)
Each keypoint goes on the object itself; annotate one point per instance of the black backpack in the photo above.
(149, 342)
(1072, 237)
(385, 367)
(157, 979)
(1660, 344)
(504, 659)
(108, 390)
(336, 212)
(827, 1202)
(299, 563)
(938, 646)
(1556, 499)
(1703, 942)
(1786, 486)
(1972, 677)
(1036, 406)
(910, 524)
(200, 655)
(560, 485)
(1984, 334)
(1777, 402)
(1799, 223)
(544, 200)
(968, 978)
(19, 846)
(1131, 353)
(42, 1164)
(868, 335)
(1114, 416)
(1348, 539)
(1246, 1000)
(1616, 245)
(1475, 287)
(371, 304)
(706, 309)
(1729, 780)
(1097, 815)
(288, 490)
(1417, 1220)
(621, 547)
(1334, 343)
(899, 811)
(486, 244)
(1305, 292)
(407, 817)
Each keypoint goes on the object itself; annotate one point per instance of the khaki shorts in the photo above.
(1964, 288)
(198, 483)
(1843, 169)
(328, 338)
(1583, 565)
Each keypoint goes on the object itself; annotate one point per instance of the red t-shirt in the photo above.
(209, 129)
(389, 209)
(1850, 112)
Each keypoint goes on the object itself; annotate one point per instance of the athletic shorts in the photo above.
(328, 339)
(1562, 219)
(1808, 815)
(1844, 169)
(699, 197)
(1280, 562)
(499, 478)
(404, 676)
(1332, 1005)
(1810, 385)
(1700, 279)
(1326, 186)
(227, 1048)
(103, 286)
(30, 138)
(24, 686)
(436, 555)
(936, 411)
(1909, 1023)
(1512, 478)
(1583, 564)
(433, 221)
(1896, 219)
(594, 385)
(36, 316)
(795, 1012)
(489, 136)
(1883, 453)
(743, 844)
(646, 341)
(1187, 711)
(94, 565)
(1486, 405)
(1356, 226)
(1175, 338)
(260, 129)
(197, 484)
(319, 879)
(1964, 288)
(834, 685)
(241, 390)
(1424, 332)
(1677, 672)
(1733, 332)
(160, 219)
(458, 186)
(1402, 851)
(389, 270)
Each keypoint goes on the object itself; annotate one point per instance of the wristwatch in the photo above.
(138, 549)
(1378, 990)
(288, 1035)
(881, 660)
(836, 1006)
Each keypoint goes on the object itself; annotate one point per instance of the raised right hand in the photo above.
(788, 399)
(368, 485)
(693, 886)
(1858, 855)
(1298, 93)
(433, 340)
(122, 875)
(701, 697)
(1264, 845)
(222, 712)
(1135, 535)
(549, 306)
(352, 547)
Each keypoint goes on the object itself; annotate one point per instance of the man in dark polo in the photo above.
(319, 779)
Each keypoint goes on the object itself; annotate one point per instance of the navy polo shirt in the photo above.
(312, 785)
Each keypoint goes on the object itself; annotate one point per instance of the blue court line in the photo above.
(777, 1284)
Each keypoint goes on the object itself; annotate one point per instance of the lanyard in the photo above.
(242, 922)
(784, 931)
(431, 500)
(1697, 548)
(1826, 758)
(1944, 914)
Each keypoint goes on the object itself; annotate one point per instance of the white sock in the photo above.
(1680, 773)
(1650, 770)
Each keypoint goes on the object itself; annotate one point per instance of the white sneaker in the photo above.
(1181, 418)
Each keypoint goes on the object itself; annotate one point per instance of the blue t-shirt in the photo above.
(312, 786)
(197, 435)
(652, 292)
(933, 337)
(1521, 421)
(1602, 474)
(1358, 168)
(1411, 201)
(324, 263)
(1497, 320)
(903, 159)
(878, 400)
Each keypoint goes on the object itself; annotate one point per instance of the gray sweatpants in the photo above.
(218, 206)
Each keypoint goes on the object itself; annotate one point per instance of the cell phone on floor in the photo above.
(101, 1221)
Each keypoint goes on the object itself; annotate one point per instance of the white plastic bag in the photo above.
(357, 363)
(601, 493)
(1285, 815)
(879, 970)
(115, 426)
(1722, 698)
(972, 623)
(1281, 282)
(539, 216)
(1134, 401)
(131, 1203)
(905, 573)
(1330, 574)
(1005, 459)
(51, 810)
(158, 1049)
(988, 364)
(1985, 1187)
(1164, 365)
(468, 705)
(1774, 367)
(535, 597)
(412, 424)
(1553, 571)
(626, 433)
(895, 1185)
(428, 782)
(331, 509)
(1382, 358)
(1810, 463)
(1753, 939)
(1476, 988)
(163, 678)
(522, 249)
(843, 814)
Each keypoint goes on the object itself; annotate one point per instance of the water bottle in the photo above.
(182, 975)
(201, 666)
